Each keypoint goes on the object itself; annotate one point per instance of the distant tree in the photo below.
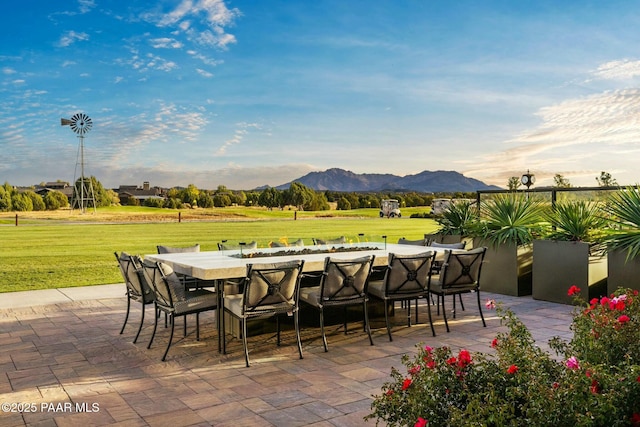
(298, 195)
(36, 200)
(220, 200)
(514, 183)
(560, 181)
(21, 202)
(114, 198)
(606, 180)
(343, 204)
(173, 203)
(154, 202)
(318, 202)
(55, 200)
(270, 198)
(99, 193)
(205, 200)
(5, 199)
(190, 195)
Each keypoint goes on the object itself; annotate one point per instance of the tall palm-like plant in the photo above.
(510, 218)
(624, 208)
(576, 221)
(458, 218)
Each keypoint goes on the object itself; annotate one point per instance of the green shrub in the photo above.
(594, 380)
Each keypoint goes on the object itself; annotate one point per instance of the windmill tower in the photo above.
(83, 195)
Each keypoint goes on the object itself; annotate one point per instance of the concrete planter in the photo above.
(622, 273)
(558, 265)
(506, 269)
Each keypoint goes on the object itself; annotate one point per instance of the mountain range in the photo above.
(425, 182)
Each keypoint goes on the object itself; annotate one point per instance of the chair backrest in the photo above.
(166, 284)
(230, 246)
(272, 287)
(462, 269)
(344, 280)
(408, 274)
(419, 242)
(340, 240)
(162, 249)
(131, 270)
(460, 245)
(279, 244)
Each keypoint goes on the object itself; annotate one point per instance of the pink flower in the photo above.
(414, 370)
(623, 319)
(421, 422)
(406, 383)
(494, 343)
(572, 363)
(604, 301)
(389, 392)
(512, 369)
(451, 361)
(431, 364)
(573, 290)
(428, 349)
(490, 304)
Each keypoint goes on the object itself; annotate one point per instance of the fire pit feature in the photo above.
(304, 251)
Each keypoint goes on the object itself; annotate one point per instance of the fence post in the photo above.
(179, 216)
(16, 220)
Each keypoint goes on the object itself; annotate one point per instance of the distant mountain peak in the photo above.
(336, 179)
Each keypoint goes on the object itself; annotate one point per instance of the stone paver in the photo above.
(64, 363)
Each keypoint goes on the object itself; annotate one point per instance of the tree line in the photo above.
(297, 196)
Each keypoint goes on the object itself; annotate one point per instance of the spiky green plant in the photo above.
(576, 221)
(510, 218)
(624, 208)
(458, 218)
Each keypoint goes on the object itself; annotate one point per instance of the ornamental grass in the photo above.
(592, 380)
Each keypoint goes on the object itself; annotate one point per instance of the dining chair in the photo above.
(279, 244)
(436, 266)
(460, 274)
(337, 241)
(418, 242)
(138, 289)
(343, 282)
(188, 281)
(270, 289)
(223, 246)
(174, 300)
(406, 278)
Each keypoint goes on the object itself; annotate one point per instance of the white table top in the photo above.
(213, 265)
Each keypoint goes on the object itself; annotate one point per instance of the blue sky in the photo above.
(246, 93)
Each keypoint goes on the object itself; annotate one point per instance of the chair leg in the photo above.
(409, 312)
(366, 321)
(461, 303)
(296, 322)
(386, 319)
(454, 306)
(185, 324)
(223, 331)
(244, 342)
(344, 311)
(480, 309)
(197, 325)
(126, 316)
(155, 326)
(278, 330)
(141, 322)
(433, 331)
(173, 325)
(444, 312)
(324, 337)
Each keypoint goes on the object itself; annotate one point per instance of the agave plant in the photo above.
(624, 208)
(458, 218)
(576, 221)
(510, 218)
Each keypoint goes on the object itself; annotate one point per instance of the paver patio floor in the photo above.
(65, 359)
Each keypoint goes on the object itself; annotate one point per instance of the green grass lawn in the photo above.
(45, 254)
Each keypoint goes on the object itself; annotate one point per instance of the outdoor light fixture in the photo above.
(528, 179)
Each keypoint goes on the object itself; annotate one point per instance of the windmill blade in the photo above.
(65, 122)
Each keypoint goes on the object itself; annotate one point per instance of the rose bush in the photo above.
(592, 380)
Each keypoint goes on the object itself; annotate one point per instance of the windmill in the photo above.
(80, 124)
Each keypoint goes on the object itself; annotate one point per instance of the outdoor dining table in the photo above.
(218, 266)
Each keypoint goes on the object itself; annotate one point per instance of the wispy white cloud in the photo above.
(165, 42)
(204, 73)
(238, 136)
(214, 14)
(624, 69)
(70, 37)
(8, 71)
